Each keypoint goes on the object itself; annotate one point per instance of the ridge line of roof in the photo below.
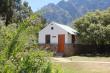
(66, 28)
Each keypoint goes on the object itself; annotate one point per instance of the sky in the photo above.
(37, 4)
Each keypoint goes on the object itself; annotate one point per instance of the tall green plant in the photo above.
(19, 53)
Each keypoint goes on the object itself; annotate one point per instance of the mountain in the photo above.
(67, 11)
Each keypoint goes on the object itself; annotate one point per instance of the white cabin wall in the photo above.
(69, 38)
(41, 38)
(47, 30)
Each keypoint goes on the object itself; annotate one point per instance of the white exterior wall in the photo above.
(55, 32)
(69, 39)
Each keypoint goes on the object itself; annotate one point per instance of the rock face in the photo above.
(67, 11)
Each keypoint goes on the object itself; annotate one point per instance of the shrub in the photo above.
(14, 55)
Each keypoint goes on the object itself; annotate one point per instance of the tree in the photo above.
(22, 12)
(14, 11)
(93, 28)
(6, 10)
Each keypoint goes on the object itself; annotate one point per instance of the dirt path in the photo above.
(66, 60)
(58, 59)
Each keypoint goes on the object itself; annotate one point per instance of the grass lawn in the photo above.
(101, 65)
(85, 68)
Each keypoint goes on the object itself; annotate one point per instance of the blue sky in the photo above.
(37, 4)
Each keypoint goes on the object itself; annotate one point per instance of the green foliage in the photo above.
(94, 28)
(19, 51)
(13, 11)
(21, 12)
(6, 10)
(27, 62)
(6, 35)
(25, 36)
(51, 68)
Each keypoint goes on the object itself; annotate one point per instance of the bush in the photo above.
(94, 28)
(14, 55)
(29, 62)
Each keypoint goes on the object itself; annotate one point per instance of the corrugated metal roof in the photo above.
(66, 28)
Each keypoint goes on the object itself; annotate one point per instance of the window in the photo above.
(52, 28)
(47, 39)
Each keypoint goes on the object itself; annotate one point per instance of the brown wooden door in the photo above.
(61, 43)
(47, 39)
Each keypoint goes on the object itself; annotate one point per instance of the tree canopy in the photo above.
(94, 28)
(14, 11)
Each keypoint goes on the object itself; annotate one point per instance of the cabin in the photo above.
(58, 38)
